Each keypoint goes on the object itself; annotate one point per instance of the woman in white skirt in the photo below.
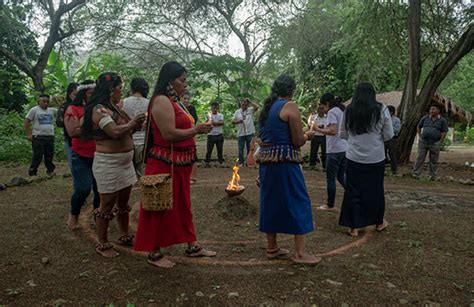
(113, 161)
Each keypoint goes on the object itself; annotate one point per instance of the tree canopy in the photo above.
(235, 48)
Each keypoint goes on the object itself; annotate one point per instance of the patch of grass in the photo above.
(414, 243)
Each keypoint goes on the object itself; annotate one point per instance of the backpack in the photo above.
(60, 115)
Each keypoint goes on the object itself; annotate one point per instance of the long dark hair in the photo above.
(81, 94)
(106, 83)
(283, 86)
(168, 72)
(364, 111)
(139, 85)
(70, 88)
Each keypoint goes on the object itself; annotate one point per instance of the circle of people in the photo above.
(105, 139)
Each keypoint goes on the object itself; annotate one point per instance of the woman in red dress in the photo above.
(171, 125)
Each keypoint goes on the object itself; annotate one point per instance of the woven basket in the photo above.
(157, 192)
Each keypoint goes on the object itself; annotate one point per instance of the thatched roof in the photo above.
(447, 106)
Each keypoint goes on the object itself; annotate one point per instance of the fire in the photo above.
(310, 121)
(234, 183)
(209, 117)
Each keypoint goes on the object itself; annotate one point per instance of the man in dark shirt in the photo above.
(431, 130)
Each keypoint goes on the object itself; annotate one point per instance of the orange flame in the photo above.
(310, 121)
(234, 183)
(209, 118)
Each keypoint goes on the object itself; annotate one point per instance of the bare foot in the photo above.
(162, 263)
(306, 258)
(353, 232)
(326, 208)
(73, 222)
(106, 249)
(277, 253)
(193, 180)
(382, 226)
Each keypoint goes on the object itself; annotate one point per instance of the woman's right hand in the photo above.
(203, 128)
(310, 134)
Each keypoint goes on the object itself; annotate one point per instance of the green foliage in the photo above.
(12, 88)
(14, 146)
(446, 143)
(463, 133)
(60, 72)
(18, 39)
(466, 136)
(225, 79)
(336, 44)
(459, 85)
(55, 75)
(469, 136)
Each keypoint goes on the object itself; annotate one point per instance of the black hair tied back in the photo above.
(283, 86)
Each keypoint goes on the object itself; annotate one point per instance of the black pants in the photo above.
(391, 152)
(313, 155)
(218, 140)
(42, 146)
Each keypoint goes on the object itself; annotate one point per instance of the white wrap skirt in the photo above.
(113, 171)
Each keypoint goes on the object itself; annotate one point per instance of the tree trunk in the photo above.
(56, 34)
(412, 80)
(38, 82)
(411, 112)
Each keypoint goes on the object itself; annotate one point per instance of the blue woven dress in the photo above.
(285, 206)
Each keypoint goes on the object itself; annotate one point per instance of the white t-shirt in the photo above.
(369, 147)
(134, 106)
(43, 120)
(216, 130)
(334, 144)
(316, 120)
(247, 127)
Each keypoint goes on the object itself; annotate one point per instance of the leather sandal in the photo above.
(126, 240)
(277, 253)
(101, 248)
(154, 256)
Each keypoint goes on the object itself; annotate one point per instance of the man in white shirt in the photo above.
(318, 120)
(136, 104)
(243, 118)
(216, 136)
(42, 135)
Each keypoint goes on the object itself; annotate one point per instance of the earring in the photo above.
(171, 92)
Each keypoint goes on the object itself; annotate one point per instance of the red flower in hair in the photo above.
(107, 77)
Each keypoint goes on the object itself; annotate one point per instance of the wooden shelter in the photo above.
(448, 108)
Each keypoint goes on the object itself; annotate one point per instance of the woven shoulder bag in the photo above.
(156, 190)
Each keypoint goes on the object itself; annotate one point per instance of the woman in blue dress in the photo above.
(285, 206)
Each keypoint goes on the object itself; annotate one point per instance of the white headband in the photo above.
(85, 86)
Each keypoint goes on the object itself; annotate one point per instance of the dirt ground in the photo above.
(425, 257)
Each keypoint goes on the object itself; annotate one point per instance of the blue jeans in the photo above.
(83, 181)
(242, 142)
(335, 168)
